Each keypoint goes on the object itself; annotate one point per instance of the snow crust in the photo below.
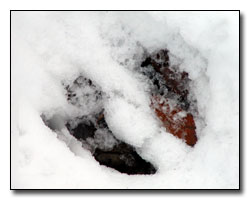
(51, 49)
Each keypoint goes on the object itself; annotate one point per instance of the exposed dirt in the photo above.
(170, 96)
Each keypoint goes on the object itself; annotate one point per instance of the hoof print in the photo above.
(169, 99)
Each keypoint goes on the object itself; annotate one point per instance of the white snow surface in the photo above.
(49, 48)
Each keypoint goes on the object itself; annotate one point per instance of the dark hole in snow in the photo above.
(119, 155)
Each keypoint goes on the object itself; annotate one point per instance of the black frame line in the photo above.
(151, 191)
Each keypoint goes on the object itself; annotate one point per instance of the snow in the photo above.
(130, 123)
(50, 49)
